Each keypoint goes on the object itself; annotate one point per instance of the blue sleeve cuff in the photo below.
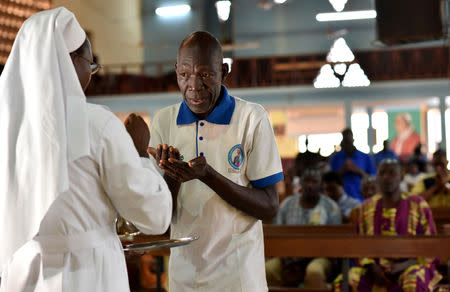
(267, 181)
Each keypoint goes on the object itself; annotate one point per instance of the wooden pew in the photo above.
(309, 229)
(337, 241)
(288, 230)
(295, 241)
(293, 289)
(441, 215)
(356, 246)
(444, 229)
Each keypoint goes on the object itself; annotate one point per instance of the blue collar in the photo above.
(221, 114)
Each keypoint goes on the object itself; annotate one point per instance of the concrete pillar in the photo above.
(442, 108)
(348, 113)
(370, 131)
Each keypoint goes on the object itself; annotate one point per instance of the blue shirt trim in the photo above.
(267, 181)
(221, 114)
(196, 139)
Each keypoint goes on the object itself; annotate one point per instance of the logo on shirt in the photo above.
(236, 156)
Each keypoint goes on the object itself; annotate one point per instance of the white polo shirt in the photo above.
(238, 142)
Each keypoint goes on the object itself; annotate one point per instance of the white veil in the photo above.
(43, 123)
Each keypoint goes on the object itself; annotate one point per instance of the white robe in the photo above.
(77, 248)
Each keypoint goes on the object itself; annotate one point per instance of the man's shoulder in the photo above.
(351, 201)
(413, 198)
(167, 113)
(249, 107)
(328, 202)
(362, 154)
(289, 201)
(337, 154)
(370, 202)
(171, 109)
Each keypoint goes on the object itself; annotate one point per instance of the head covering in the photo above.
(43, 123)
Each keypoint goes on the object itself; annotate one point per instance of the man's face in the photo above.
(200, 74)
(311, 184)
(332, 190)
(439, 163)
(368, 189)
(389, 177)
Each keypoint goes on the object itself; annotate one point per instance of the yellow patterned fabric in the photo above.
(412, 216)
(437, 200)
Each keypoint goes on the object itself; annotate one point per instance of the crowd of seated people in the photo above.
(395, 200)
(390, 197)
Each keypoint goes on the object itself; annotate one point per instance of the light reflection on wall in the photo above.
(324, 144)
(360, 124)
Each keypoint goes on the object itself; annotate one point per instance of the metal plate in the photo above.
(157, 245)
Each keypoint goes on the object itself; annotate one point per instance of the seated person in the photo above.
(412, 174)
(369, 188)
(333, 188)
(389, 213)
(435, 187)
(309, 207)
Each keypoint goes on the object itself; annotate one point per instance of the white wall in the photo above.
(115, 27)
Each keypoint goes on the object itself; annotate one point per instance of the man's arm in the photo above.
(174, 187)
(350, 166)
(428, 193)
(439, 186)
(259, 203)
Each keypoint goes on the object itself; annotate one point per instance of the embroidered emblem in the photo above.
(236, 156)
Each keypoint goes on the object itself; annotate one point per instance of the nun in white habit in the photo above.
(67, 168)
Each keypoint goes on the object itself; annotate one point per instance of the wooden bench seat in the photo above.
(270, 229)
(441, 215)
(290, 289)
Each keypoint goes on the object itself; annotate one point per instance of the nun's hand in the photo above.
(139, 132)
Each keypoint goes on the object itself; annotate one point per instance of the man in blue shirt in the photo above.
(352, 165)
(385, 153)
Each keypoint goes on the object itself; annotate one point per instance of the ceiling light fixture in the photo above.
(223, 10)
(355, 76)
(348, 15)
(173, 11)
(326, 78)
(279, 1)
(229, 61)
(340, 52)
(338, 5)
(340, 74)
(340, 68)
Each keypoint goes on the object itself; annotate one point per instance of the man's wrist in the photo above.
(209, 174)
(144, 154)
(171, 181)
